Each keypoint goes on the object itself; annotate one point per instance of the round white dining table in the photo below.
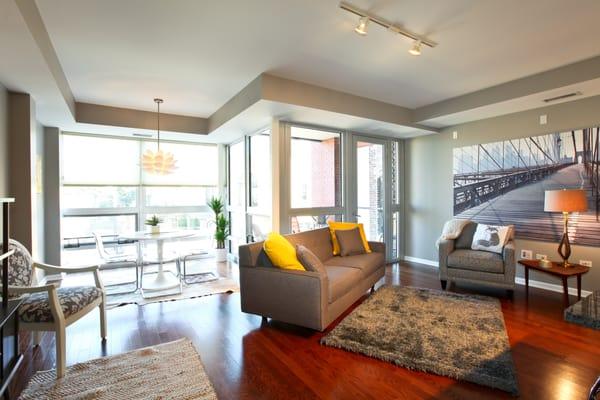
(163, 280)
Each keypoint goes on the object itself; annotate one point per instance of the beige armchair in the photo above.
(51, 308)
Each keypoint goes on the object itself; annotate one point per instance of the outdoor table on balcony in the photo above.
(163, 279)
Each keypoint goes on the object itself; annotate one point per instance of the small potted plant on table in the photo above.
(221, 228)
(154, 224)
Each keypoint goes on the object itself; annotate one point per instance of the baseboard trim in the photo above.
(422, 261)
(551, 287)
(519, 281)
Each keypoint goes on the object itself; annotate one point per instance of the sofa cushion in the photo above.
(350, 242)
(281, 252)
(309, 260)
(474, 260)
(465, 239)
(366, 263)
(334, 226)
(318, 241)
(341, 280)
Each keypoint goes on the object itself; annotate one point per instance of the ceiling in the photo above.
(199, 54)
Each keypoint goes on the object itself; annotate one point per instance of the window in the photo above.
(113, 196)
(260, 171)
(301, 223)
(315, 168)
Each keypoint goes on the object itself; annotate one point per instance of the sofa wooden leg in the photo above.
(443, 284)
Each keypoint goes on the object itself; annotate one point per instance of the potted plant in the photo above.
(221, 228)
(154, 224)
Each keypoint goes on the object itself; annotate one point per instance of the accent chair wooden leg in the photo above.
(61, 352)
(103, 332)
(443, 284)
(36, 336)
(372, 289)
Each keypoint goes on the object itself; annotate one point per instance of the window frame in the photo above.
(141, 209)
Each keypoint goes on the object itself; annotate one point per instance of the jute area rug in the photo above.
(450, 334)
(167, 371)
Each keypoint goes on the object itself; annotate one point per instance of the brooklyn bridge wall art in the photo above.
(503, 183)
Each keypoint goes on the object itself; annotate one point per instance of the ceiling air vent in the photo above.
(561, 97)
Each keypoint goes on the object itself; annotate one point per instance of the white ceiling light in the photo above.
(158, 162)
(366, 17)
(415, 50)
(361, 28)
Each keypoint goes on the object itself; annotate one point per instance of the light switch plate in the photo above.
(543, 119)
(526, 254)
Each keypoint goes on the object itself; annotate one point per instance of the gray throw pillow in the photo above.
(350, 242)
(309, 260)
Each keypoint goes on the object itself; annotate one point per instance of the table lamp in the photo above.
(565, 201)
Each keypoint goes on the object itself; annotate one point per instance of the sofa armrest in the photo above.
(446, 247)
(377, 247)
(295, 297)
(510, 262)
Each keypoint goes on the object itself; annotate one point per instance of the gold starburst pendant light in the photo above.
(158, 162)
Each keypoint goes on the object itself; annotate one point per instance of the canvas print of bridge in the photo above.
(504, 182)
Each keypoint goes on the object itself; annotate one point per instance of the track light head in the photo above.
(415, 50)
(361, 28)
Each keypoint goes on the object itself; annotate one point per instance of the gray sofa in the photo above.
(458, 263)
(304, 298)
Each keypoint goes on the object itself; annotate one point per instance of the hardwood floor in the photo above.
(246, 358)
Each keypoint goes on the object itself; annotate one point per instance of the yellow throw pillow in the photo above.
(342, 226)
(281, 252)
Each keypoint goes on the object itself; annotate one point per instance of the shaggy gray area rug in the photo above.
(450, 334)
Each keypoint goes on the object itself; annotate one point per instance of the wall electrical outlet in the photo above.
(454, 135)
(541, 257)
(526, 254)
(586, 263)
(543, 119)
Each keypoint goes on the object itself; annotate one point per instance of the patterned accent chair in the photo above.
(51, 308)
(459, 263)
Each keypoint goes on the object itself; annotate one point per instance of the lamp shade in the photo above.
(566, 200)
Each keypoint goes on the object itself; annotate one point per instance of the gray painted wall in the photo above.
(52, 195)
(428, 177)
(4, 161)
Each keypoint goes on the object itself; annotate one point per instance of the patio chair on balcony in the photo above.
(114, 261)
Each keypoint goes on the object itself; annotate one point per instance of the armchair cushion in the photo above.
(474, 260)
(465, 240)
(20, 271)
(36, 307)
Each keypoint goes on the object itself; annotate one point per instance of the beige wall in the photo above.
(428, 176)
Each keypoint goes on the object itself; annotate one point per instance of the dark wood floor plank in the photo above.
(246, 358)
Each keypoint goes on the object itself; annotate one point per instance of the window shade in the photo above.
(88, 160)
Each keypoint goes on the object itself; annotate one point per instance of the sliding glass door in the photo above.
(249, 182)
(374, 191)
(370, 186)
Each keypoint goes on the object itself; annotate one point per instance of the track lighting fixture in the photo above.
(366, 18)
(415, 50)
(361, 28)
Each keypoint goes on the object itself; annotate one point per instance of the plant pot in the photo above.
(221, 255)
(155, 229)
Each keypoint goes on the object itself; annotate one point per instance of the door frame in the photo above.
(352, 184)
